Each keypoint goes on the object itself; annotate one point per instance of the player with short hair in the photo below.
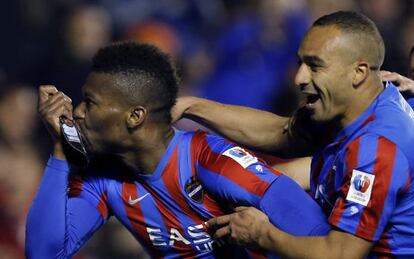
(360, 134)
(162, 184)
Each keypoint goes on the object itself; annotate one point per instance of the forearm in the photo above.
(45, 229)
(57, 226)
(335, 245)
(258, 129)
(292, 210)
(288, 246)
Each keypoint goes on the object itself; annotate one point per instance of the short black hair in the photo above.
(361, 26)
(151, 77)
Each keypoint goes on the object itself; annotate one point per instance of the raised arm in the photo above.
(259, 130)
(57, 225)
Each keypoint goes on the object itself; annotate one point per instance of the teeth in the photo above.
(312, 98)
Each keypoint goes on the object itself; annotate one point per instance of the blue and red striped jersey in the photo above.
(200, 176)
(363, 179)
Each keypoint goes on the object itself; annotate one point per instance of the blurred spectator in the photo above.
(389, 17)
(85, 30)
(411, 64)
(20, 165)
(407, 35)
(157, 33)
(234, 51)
(253, 52)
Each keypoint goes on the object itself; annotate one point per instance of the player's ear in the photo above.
(361, 72)
(135, 116)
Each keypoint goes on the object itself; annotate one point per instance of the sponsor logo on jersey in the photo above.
(134, 201)
(194, 190)
(241, 156)
(360, 187)
(195, 236)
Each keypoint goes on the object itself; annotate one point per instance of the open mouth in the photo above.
(312, 98)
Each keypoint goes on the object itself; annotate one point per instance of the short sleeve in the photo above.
(230, 172)
(376, 174)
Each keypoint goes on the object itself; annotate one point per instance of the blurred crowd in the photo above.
(233, 51)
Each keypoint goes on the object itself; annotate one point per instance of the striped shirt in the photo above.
(363, 179)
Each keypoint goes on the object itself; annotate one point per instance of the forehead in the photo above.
(323, 41)
(100, 85)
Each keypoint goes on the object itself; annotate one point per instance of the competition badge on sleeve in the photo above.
(77, 153)
(361, 187)
(241, 156)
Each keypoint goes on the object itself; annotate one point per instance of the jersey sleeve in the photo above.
(234, 174)
(62, 219)
(376, 175)
(230, 172)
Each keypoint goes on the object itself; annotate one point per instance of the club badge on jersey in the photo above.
(194, 190)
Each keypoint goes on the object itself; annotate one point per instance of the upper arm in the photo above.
(297, 168)
(230, 172)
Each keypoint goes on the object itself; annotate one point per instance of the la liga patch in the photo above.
(241, 156)
(361, 187)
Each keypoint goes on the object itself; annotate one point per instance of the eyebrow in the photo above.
(313, 60)
(89, 96)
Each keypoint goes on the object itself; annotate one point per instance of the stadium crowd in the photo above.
(235, 52)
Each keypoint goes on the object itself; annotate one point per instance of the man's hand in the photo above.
(182, 104)
(404, 84)
(244, 227)
(52, 105)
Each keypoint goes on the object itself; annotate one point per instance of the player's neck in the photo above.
(148, 150)
(362, 100)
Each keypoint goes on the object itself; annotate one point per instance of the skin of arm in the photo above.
(251, 227)
(256, 129)
(297, 168)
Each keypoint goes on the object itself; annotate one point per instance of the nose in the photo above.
(303, 76)
(79, 112)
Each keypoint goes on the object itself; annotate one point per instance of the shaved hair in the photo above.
(369, 45)
(145, 76)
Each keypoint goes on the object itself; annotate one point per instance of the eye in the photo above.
(314, 68)
(88, 102)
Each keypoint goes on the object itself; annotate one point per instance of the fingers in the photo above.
(384, 73)
(45, 91)
(390, 76)
(217, 222)
(240, 208)
(222, 232)
(181, 107)
(52, 105)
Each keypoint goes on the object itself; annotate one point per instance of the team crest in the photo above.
(194, 190)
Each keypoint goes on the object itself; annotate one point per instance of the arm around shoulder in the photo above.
(257, 129)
